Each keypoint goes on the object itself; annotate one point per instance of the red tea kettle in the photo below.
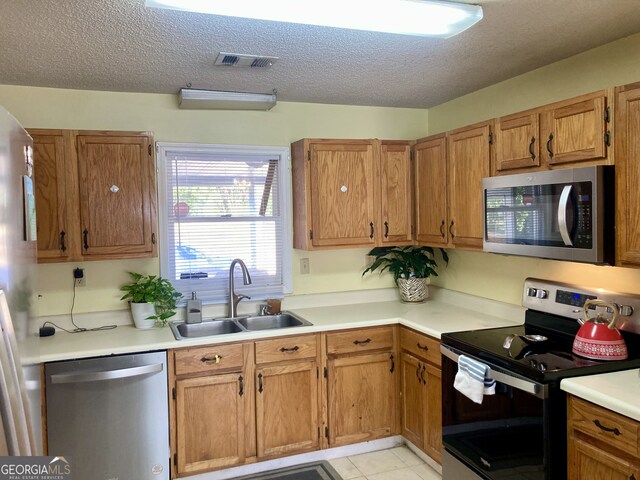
(598, 339)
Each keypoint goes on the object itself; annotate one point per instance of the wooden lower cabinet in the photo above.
(287, 409)
(210, 418)
(421, 392)
(603, 445)
(362, 397)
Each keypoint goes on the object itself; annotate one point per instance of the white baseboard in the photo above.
(424, 457)
(318, 455)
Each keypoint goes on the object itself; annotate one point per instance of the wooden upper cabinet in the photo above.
(576, 130)
(94, 189)
(627, 145)
(117, 194)
(430, 159)
(52, 172)
(469, 151)
(517, 143)
(396, 197)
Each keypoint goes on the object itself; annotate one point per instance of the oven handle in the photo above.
(519, 383)
(562, 215)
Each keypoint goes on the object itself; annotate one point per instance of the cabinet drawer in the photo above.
(354, 341)
(208, 359)
(286, 348)
(420, 346)
(616, 430)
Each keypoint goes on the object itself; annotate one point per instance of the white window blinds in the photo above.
(224, 202)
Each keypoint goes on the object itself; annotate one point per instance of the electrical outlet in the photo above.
(78, 277)
(304, 266)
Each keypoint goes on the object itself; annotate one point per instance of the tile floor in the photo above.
(398, 463)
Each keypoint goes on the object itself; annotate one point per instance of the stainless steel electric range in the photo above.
(520, 432)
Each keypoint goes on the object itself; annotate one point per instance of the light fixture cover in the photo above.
(193, 99)
(408, 17)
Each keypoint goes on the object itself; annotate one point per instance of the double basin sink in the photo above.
(223, 326)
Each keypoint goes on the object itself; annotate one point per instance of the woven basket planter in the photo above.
(413, 289)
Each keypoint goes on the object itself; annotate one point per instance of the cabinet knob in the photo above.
(115, 188)
(343, 189)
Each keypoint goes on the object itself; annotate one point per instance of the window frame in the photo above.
(285, 187)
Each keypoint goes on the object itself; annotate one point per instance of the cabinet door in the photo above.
(587, 462)
(627, 175)
(342, 194)
(576, 131)
(52, 172)
(362, 397)
(396, 193)
(117, 195)
(209, 422)
(517, 143)
(431, 191)
(413, 399)
(469, 152)
(433, 436)
(287, 409)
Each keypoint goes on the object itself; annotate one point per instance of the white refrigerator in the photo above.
(18, 424)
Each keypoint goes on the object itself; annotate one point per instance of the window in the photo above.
(220, 202)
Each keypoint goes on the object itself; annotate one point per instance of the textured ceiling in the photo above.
(119, 45)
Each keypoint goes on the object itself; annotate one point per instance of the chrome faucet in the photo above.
(234, 298)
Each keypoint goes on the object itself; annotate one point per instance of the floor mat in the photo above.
(308, 471)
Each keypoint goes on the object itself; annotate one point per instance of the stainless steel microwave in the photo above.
(563, 214)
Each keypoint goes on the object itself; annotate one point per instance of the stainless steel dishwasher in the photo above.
(110, 415)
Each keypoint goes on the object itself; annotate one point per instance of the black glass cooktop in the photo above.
(543, 361)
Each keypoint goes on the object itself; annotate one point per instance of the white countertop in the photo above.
(446, 311)
(616, 391)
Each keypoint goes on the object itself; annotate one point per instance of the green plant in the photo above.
(406, 262)
(152, 289)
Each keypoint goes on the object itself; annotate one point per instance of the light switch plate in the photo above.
(304, 266)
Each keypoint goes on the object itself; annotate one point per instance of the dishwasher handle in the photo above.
(106, 375)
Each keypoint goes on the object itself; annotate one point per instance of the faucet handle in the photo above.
(265, 309)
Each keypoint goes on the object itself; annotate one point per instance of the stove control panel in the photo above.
(568, 301)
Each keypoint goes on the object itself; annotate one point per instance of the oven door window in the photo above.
(503, 438)
(538, 215)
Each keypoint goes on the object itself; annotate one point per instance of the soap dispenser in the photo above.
(194, 309)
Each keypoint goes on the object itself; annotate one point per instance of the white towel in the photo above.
(473, 379)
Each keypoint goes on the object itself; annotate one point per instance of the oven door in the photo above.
(507, 437)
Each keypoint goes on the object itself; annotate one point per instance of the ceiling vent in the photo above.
(242, 60)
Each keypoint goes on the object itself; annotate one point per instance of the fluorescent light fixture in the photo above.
(192, 99)
(408, 17)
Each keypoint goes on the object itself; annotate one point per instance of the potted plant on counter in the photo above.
(411, 268)
(153, 299)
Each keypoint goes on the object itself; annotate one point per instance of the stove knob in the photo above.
(542, 293)
(533, 363)
(542, 367)
(626, 310)
(531, 292)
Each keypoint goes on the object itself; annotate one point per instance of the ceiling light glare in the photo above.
(424, 18)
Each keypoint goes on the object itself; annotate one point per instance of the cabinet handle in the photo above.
(215, 359)
(614, 430)
(85, 236)
(362, 342)
(632, 477)
(393, 363)
(533, 141)
(260, 383)
(241, 380)
(418, 372)
(63, 247)
(549, 145)
(292, 349)
(371, 231)
(386, 229)
(442, 228)
(451, 230)
(424, 369)
(422, 347)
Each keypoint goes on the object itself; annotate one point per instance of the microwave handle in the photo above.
(562, 215)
